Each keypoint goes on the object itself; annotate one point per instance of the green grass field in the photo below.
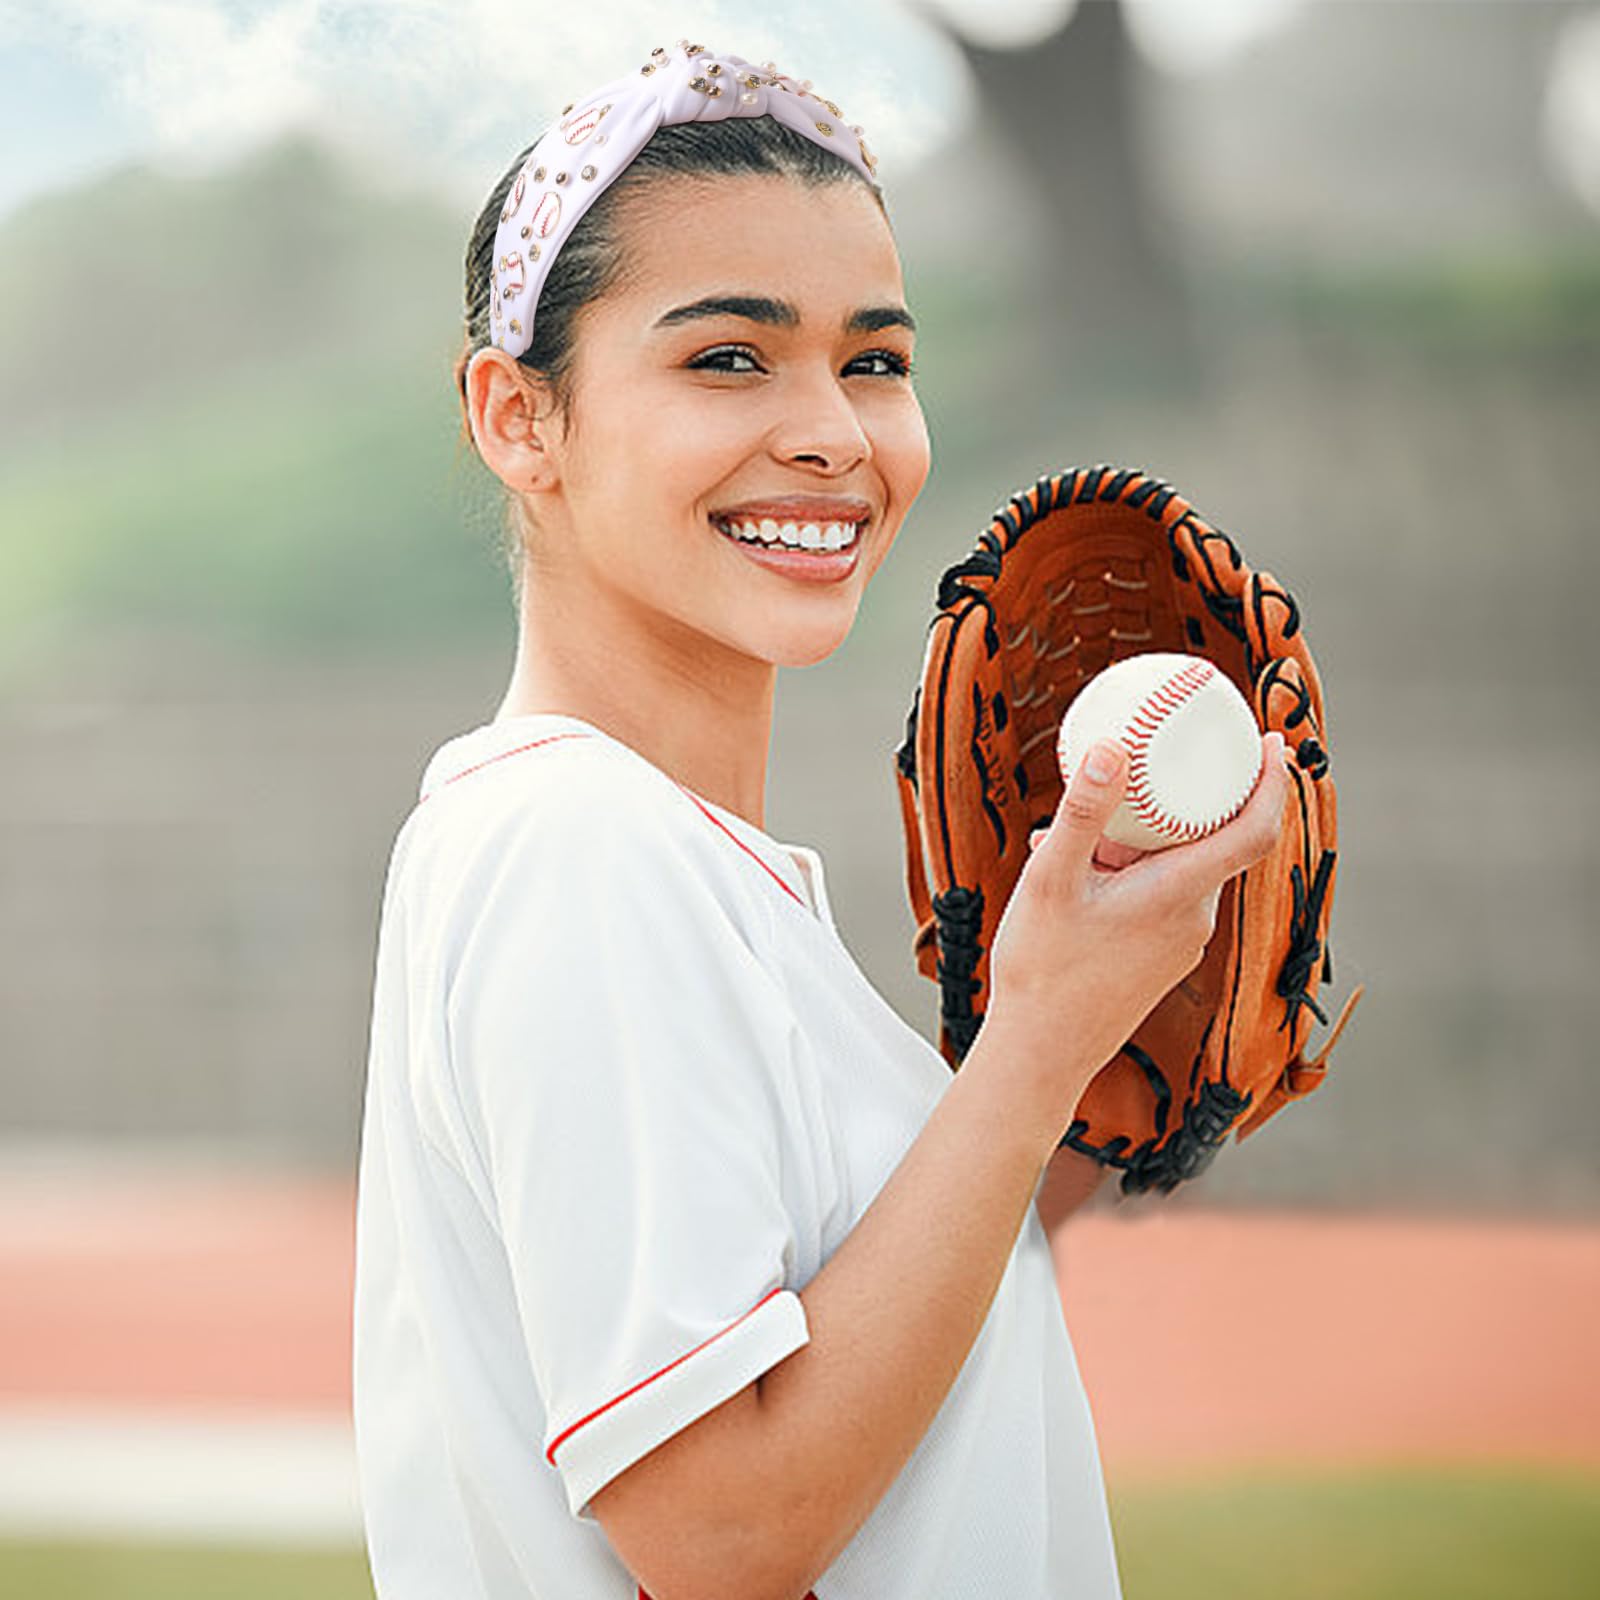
(1393, 1535)
(1488, 1535)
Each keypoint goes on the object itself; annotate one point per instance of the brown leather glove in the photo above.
(1085, 567)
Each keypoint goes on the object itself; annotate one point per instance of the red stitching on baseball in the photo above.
(1156, 707)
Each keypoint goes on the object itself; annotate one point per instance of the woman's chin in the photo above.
(805, 647)
(800, 635)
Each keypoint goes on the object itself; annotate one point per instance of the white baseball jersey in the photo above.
(627, 1092)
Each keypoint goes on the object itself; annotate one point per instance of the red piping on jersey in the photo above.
(566, 1433)
(708, 814)
(712, 817)
(549, 738)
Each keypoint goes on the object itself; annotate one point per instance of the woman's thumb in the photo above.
(1094, 792)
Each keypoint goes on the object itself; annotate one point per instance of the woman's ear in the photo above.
(513, 420)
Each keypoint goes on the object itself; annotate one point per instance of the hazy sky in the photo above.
(444, 92)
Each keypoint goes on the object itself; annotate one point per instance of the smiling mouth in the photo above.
(823, 538)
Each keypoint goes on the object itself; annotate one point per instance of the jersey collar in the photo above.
(798, 866)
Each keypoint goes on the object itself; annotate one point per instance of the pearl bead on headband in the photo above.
(598, 136)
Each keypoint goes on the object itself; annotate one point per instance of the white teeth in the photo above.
(795, 535)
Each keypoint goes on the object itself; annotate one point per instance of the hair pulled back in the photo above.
(590, 263)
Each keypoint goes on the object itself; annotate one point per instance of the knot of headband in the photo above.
(598, 136)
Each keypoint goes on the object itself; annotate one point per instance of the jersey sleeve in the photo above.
(625, 1056)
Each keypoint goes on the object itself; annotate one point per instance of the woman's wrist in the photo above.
(1042, 1083)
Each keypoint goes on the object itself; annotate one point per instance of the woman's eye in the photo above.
(713, 360)
(899, 366)
(717, 361)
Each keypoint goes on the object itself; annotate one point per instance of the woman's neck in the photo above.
(703, 718)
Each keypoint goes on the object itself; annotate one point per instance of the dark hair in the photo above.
(590, 262)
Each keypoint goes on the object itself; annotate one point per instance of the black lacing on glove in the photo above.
(905, 754)
(1228, 609)
(1305, 948)
(1309, 753)
(1165, 1162)
(1193, 1147)
(958, 915)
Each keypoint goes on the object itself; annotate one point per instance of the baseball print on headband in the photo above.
(598, 136)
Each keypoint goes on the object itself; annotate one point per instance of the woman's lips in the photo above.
(823, 566)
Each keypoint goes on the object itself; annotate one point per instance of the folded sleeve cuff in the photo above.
(592, 1450)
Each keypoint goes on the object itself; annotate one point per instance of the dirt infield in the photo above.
(1204, 1337)
(1242, 1337)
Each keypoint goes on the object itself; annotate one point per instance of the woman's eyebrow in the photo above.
(781, 313)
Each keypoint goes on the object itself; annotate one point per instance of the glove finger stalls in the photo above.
(1270, 616)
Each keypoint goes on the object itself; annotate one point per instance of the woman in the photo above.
(685, 1267)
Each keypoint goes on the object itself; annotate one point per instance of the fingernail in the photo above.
(1100, 763)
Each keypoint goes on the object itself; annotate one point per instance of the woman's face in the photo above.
(684, 411)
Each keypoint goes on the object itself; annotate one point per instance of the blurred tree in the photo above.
(1069, 109)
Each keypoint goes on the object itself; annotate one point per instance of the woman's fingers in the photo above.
(1086, 806)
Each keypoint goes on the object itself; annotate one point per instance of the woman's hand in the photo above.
(1095, 934)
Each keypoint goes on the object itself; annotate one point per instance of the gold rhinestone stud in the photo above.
(588, 172)
(568, 106)
(646, 69)
(516, 327)
(713, 69)
(538, 174)
(825, 129)
(533, 252)
(561, 177)
(527, 228)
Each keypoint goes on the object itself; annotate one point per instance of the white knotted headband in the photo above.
(598, 136)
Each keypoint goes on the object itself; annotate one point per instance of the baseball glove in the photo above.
(1085, 567)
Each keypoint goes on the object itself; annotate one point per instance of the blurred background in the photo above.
(1331, 268)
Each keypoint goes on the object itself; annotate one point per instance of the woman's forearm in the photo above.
(771, 1486)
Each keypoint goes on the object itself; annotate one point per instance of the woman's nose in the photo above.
(823, 425)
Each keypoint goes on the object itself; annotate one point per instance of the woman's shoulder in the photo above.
(558, 784)
(552, 766)
(556, 798)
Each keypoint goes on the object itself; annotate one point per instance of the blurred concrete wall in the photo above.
(193, 839)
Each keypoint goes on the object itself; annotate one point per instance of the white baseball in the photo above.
(1193, 744)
